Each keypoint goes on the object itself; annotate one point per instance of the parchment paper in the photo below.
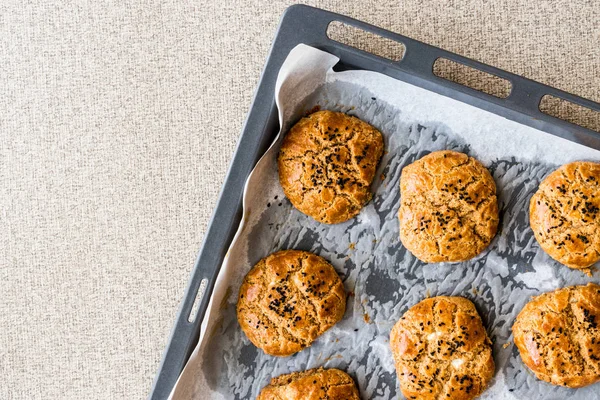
(383, 278)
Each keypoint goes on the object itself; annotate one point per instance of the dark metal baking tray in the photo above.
(308, 25)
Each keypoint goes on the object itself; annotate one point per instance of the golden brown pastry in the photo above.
(442, 350)
(326, 165)
(448, 207)
(288, 299)
(558, 335)
(314, 384)
(565, 214)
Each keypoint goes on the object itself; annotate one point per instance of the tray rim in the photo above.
(308, 25)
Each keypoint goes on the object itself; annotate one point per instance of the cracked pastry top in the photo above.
(448, 207)
(564, 214)
(288, 299)
(326, 165)
(314, 384)
(442, 351)
(558, 336)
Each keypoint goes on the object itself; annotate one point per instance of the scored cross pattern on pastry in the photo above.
(448, 207)
(442, 350)
(314, 384)
(565, 214)
(288, 299)
(558, 335)
(326, 165)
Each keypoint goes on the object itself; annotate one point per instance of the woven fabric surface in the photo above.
(118, 120)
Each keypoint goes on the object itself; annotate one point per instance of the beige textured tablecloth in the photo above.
(118, 120)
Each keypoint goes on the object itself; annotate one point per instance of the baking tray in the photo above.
(308, 25)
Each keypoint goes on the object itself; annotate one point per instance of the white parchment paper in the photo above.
(383, 279)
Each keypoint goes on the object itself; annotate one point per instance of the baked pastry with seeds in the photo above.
(565, 214)
(326, 165)
(442, 350)
(288, 299)
(314, 384)
(558, 335)
(448, 207)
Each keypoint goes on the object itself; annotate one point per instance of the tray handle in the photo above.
(418, 61)
(184, 332)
